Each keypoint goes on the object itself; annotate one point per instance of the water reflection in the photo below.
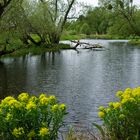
(3, 79)
(82, 80)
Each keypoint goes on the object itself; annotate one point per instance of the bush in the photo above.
(30, 117)
(121, 119)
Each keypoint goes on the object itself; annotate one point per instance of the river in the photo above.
(83, 80)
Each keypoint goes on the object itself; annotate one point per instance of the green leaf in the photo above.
(100, 130)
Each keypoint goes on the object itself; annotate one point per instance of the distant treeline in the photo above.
(114, 17)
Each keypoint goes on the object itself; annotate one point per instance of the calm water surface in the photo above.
(83, 80)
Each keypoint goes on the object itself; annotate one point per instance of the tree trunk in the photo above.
(54, 38)
(3, 6)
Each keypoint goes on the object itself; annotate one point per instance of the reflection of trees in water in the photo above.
(13, 80)
(3, 80)
(23, 74)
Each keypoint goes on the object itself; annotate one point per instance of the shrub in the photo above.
(30, 117)
(121, 119)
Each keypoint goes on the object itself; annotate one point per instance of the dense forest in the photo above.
(44, 23)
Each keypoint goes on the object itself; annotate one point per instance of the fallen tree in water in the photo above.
(85, 45)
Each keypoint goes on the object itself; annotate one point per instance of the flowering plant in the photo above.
(30, 117)
(122, 119)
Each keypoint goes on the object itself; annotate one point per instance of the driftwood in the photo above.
(88, 45)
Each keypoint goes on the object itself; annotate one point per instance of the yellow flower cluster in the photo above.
(18, 132)
(62, 106)
(101, 114)
(31, 106)
(10, 102)
(31, 112)
(44, 100)
(44, 131)
(128, 96)
(57, 107)
(23, 97)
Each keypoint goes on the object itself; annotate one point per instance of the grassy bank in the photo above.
(91, 36)
(73, 37)
(134, 42)
(34, 50)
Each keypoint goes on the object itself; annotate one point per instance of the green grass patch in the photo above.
(91, 36)
(106, 36)
(73, 37)
(134, 42)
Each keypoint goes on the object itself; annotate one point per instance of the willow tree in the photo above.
(124, 8)
(37, 21)
(57, 15)
(3, 5)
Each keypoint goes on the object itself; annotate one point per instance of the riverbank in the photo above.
(92, 36)
(22, 50)
(34, 50)
(133, 40)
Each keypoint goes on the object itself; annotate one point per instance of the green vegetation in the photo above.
(34, 50)
(25, 23)
(134, 42)
(112, 19)
(121, 120)
(32, 23)
(30, 117)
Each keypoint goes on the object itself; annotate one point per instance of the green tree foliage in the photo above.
(115, 17)
(39, 22)
(98, 19)
(85, 29)
(125, 9)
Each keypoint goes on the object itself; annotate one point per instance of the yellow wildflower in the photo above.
(55, 108)
(108, 110)
(128, 91)
(136, 92)
(44, 131)
(124, 100)
(116, 105)
(62, 107)
(101, 108)
(101, 114)
(126, 96)
(18, 132)
(110, 104)
(31, 105)
(7, 99)
(119, 93)
(33, 99)
(44, 100)
(52, 99)
(23, 97)
(42, 95)
(14, 103)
